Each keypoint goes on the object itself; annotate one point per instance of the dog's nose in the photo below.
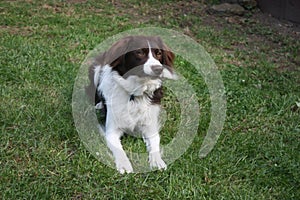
(157, 69)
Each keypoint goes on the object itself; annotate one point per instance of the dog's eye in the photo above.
(158, 52)
(140, 53)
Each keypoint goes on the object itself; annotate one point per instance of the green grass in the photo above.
(42, 45)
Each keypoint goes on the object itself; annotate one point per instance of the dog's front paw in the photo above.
(155, 161)
(124, 166)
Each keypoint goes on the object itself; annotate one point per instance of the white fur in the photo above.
(150, 62)
(167, 74)
(97, 75)
(128, 116)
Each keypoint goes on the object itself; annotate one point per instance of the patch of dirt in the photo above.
(59, 8)
(14, 30)
(282, 26)
(76, 1)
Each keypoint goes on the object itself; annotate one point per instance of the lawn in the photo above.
(42, 46)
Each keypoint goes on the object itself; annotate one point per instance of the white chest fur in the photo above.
(128, 114)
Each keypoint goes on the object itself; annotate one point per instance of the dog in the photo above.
(126, 84)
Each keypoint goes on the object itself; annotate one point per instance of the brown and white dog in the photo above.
(126, 82)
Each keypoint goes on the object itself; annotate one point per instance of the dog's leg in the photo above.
(113, 139)
(155, 159)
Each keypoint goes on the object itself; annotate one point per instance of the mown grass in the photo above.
(42, 45)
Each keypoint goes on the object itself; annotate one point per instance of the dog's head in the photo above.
(141, 56)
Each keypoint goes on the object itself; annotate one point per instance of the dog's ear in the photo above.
(115, 55)
(168, 58)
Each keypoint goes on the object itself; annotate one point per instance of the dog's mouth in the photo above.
(157, 72)
(136, 71)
